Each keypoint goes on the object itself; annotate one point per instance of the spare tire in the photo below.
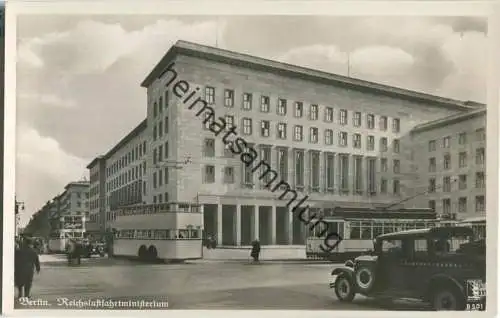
(364, 277)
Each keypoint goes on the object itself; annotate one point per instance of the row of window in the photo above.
(169, 234)
(161, 104)
(135, 154)
(126, 177)
(158, 208)
(480, 135)
(299, 111)
(480, 205)
(160, 129)
(462, 183)
(462, 160)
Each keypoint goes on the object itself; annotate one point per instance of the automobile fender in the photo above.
(443, 278)
(344, 270)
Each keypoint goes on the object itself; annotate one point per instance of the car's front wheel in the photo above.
(344, 290)
(448, 299)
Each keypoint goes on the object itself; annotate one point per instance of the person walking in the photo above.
(26, 261)
(255, 250)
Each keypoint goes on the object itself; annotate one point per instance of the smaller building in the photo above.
(74, 209)
(449, 156)
(95, 224)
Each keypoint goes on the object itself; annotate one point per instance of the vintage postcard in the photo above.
(266, 155)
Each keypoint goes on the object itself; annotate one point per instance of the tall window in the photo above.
(228, 175)
(480, 180)
(356, 119)
(298, 134)
(166, 124)
(396, 125)
(313, 135)
(298, 109)
(328, 137)
(480, 204)
(210, 95)
(462, 159)
(446, 206)
(481, 134)
(432, 164)
(432, 185)
(264, 128)
(247, 101)
(344, 172)
(299, 168)
(446, 142)
(480, 156)
(313, 114)
(356, 141)
(228, 98)
(372, 176)
(229, 121)
(462, 205)
(370, 143)
(396, 166)
(281, 128)
(330, 171)
(446, 184)
(209, 174)
(383, 144)
(247, 179)
(343, 117)
(432, 205)
(283, 163)
(281, 109)
(396, 187)
(343, 139)
(247, 126)
(264, 104)
(370, 121)
(209, 147)
(383, 123)
(265, 155)
(315, 173)
(432, 145)
(462, 182)
(358, 174)
(329, 114)
(395, 146)
(447, 162)
(383, 165)
(462, 138)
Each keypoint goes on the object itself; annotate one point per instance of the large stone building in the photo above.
(343, 141)
(450, 164)
(74, 209)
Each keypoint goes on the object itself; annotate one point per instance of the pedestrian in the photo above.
(255, 250)
(26, 261)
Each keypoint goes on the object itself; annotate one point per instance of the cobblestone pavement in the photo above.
(195, 285)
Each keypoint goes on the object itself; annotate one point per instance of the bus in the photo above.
(358, 227)
(170, 231)
(478, 225)
(59, 239)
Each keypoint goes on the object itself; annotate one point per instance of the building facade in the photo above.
(343, 141)
(450, 164)
(74, 209)
(95, 225)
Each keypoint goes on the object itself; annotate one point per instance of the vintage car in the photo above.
(433, 265)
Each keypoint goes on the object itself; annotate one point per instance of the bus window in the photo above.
(366, 231)
(183, 234)
(377, 229)
(355, 230)
(195, 234)
(388, 227)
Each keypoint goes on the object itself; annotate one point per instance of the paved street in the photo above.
(198, 285)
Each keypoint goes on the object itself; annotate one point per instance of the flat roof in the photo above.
(448, 120)
(136, 131)
(77, 184)
(266, 65)
(95, 161)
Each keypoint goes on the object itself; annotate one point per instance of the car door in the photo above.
(394, 266)
(419, 268)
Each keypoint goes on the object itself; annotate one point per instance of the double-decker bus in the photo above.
(358, 227)
(170, 231)
(478, 225)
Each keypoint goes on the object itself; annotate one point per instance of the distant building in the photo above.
(74, 209)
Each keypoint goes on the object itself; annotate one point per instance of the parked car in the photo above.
(432, 265)
(95, 248)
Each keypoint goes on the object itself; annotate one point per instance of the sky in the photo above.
(78, 77)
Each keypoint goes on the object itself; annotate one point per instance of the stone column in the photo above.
(255, 232)
(238, 225)
(290, 225)
(219, 224)
(273, 225)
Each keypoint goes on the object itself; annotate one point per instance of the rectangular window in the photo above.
(462, 205)
(209, 147)
(264, 128)
(462, 138)
(330, 171)
(358, 175)
(447, 162)
(160, 129)
(432, 185)
(396, 187)
(384, 167)
(446, 206)
(328, 137)
(383, 123)
(210, 95)
(283, 163)
(480, 204)
(356, 141)
(480, 156)
(446, 142)
(480, 134)
(155, 181)
(167, 154)
(356, 119)
(299, 110)
(166, 124)
(281, 129)
(315, 173)
(432, 205)
(370, 143)
(247, 101)
(228, 98)
(396, 125)
(209, 174)
(229, 121)
(480, 180)
(265, 155)
(314, 112)
(372, 176)
(462, 182)
(313, 135)
(343, 139)
(432, 145)
(299, 168)
(160, 178)
(207, 121)
(298, 133)
(247, 180)
(396, 146)
(160, 153)
(383, 186)
(228, 153)
(446, 184)
(329, 114)
(462, 159)
(281, 109)
(396, 166)
(344, 172)
(432, 164)
(264, 104)
(247, 126)
(383, 144)
(343, 117)
(370, 121)
(228, 175)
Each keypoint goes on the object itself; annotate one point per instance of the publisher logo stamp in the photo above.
(475, 294)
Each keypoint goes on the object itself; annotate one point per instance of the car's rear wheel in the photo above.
(344, 290)
(447, 299)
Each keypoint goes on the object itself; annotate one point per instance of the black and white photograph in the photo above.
(237, 161)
